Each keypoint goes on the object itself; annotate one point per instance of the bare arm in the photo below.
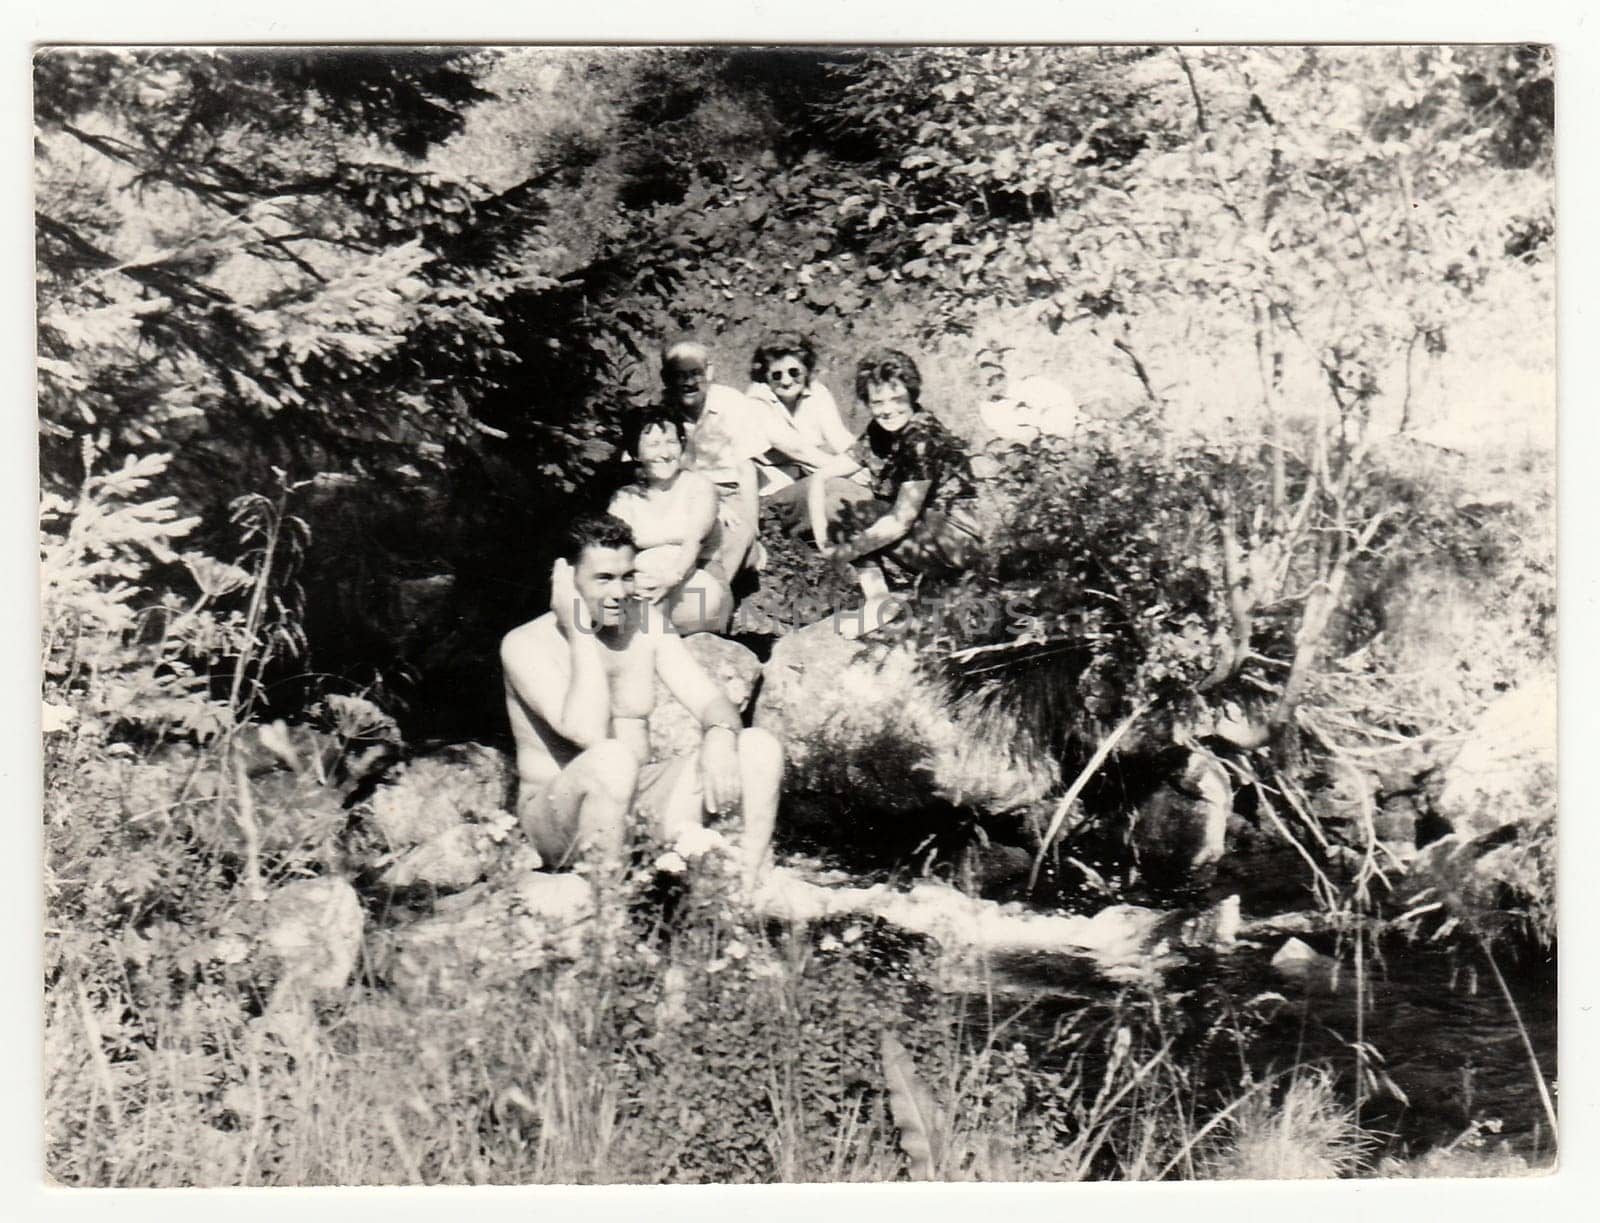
(573, 700)
(749, 499)
(563, 680)
(893, 526)
(687, 680)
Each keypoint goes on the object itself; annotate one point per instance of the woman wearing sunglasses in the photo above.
(783, 379)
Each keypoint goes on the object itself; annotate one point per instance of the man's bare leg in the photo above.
(760, 776)
(584, 811)
(761, 773)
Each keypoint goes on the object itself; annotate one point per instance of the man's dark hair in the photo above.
(883, 365)
(782, 344)
(595, 531)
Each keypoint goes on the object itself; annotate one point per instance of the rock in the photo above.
(1505, 770)
(312, 929)
(1301, 962)
(864, 729)
(998, 870)
(430, 795)
(674, 731)
(1500, 881)
(456, 858)
(1180, 830)
(488, 934)
(1395, 826)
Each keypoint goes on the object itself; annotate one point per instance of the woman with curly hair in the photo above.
(922, 517)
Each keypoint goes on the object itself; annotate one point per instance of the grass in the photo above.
(703, 1048)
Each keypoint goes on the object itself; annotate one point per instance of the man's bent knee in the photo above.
(611, 767)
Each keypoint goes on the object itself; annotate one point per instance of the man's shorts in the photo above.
(554, 836)
(656, 783)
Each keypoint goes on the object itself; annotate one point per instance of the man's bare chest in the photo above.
(630, 675)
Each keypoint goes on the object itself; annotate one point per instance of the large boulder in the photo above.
(311, 933)
(1180, 829)
(443, 820)
(1505, 770)
(864, 728)
(431, 794)
(674, 731)
(491, 933)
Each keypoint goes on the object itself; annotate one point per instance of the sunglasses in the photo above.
(789, 373)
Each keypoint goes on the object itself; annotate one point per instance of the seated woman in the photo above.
(806, 429)
(673, 515)
(923, 514)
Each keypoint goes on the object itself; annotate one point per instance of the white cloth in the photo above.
(1036, 407)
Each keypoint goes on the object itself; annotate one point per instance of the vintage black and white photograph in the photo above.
(764, 614)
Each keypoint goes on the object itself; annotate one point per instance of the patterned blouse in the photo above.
(922, 450)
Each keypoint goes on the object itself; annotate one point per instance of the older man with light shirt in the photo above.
(728, 434)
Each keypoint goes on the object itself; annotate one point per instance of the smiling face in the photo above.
(660, 453)
(890, 404)
(603, 578)
(686, 379)
(788, 377)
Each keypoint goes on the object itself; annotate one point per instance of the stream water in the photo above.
(1437, 1020)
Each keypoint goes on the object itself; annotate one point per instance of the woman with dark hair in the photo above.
(808, 438)
(922, 516)
(783, 378)
(673, 515)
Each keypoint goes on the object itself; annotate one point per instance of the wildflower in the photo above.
(499, 826)
(829, 943)
(735, 951)
(699, 841)
(852, 933)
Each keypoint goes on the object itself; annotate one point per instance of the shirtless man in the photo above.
(580, 682)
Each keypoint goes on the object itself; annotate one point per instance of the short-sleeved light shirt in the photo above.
(815, 418)
(731, 428)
